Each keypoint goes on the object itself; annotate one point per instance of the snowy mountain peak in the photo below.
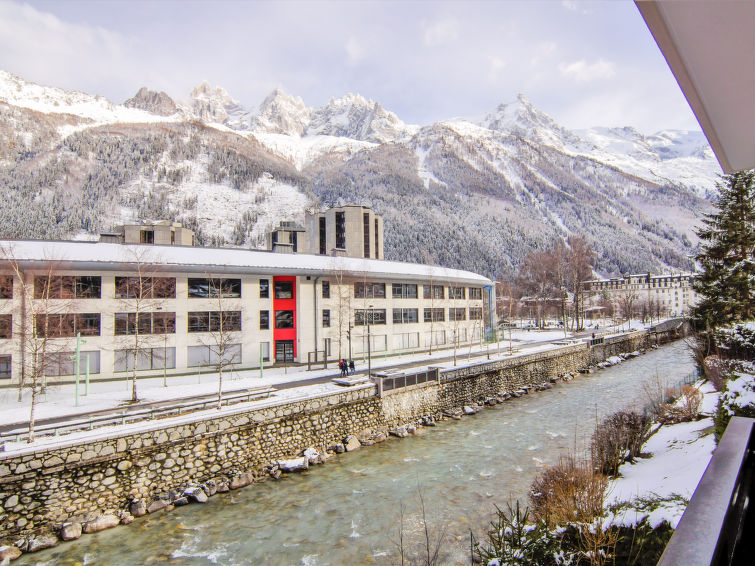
(152, 101)
(282, 113)
(215, 105)
(356, 117)
(521, 118)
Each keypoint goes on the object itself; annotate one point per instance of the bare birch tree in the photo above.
(142, 295)
(223, 324)
(39, 317)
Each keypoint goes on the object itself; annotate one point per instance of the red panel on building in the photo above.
(284, 317)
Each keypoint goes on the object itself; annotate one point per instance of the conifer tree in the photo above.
(727, 256)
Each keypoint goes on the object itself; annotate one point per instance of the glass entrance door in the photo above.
(284, 350)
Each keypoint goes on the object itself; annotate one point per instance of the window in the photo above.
(326, 289)
(475, 313)
(457, 292)
(208, 355)
(407, 340)
(284, 289)
(326, 318)
(433, 292)
(323, 237)
(149, 288)
(404, 291)
(377, 248)
(369, 290)
(475, 294)
(211, 321)
(125, 323)
(284, 319)
(6, 326)
(67, 287)
(457, 314)
(5, 367)
(67, 325)
(146, 359)
(204, 288)
(6, 287)
(366, 230)
(146, 237)
(63, 363)
(369, 316)
(264, 320)
(434, 315)
(404, 316)
(264, 288)
(340, 230)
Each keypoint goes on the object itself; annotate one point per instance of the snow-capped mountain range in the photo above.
(499, 185)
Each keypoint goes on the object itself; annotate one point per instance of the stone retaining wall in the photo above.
(77, 481)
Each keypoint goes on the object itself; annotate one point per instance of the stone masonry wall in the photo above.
(40, 489)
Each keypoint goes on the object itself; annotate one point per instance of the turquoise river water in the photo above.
(349, 511)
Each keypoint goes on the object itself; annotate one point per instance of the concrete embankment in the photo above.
(85, 485)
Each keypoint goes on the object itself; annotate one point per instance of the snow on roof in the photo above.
(109, 256)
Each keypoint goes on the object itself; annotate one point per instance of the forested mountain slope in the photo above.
(472, 195)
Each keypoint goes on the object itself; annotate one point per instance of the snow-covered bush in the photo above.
(738, 398)
(685, 408)
(514, 541)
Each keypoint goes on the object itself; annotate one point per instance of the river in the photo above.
(349, 510)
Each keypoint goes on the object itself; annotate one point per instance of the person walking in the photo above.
(352, 369)
(342, 367)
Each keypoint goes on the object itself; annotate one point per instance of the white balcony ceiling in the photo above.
(710, 47)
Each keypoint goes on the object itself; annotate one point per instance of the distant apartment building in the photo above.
(666, 295)
(160, 233)
(275, 307)
(351, 230)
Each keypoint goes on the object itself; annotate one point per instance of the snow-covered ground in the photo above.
(660, 487)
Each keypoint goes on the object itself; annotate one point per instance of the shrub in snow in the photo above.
(513, 541)
(738, 397)
(568, 492)
(617, 439)
(685, 408)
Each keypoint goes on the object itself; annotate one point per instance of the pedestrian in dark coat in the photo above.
(342, 367)
(352, 369)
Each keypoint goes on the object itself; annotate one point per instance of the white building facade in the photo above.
(166, 303)
(667, 295)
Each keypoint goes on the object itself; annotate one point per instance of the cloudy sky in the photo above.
(584, 63)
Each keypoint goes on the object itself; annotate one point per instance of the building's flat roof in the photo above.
(108, 256)
(625, 277)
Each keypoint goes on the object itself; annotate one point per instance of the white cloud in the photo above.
(354, 50)
(39, 44)
(582, 71)
(569, 5)
(496, 65)
(543, 51)
(441, 31)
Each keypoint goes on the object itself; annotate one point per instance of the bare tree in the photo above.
(580, 261)
(223, 325)
(344, 307)
(626, 304)
(142, 295)
(39, 318)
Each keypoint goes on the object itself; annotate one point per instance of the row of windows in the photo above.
(407, 316)
(90, 287)
(128, 323)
